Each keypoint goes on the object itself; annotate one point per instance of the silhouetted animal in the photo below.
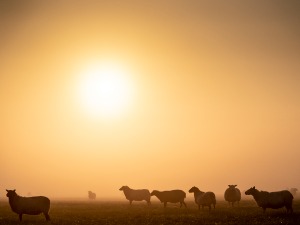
(232, 194)
(173, 196)
(92, 195)
(28, 205)
(136, 195)
(274, 200)
(203, 198)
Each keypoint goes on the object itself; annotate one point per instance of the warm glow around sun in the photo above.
(105, 89)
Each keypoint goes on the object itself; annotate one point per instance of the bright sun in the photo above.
(105, 89)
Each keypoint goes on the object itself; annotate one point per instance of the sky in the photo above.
(214, 96)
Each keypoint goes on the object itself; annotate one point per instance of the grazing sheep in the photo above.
(274, 200)
(136, 195)
(203, 198)
(92, 196)
(173, 196)
(232, 194)
(28, 205)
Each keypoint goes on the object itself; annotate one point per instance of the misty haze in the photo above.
(149, 111)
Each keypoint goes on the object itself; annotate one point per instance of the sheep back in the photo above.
(172, 196)
(206, 199)
(136, 195)
(139, 195)
(31, 205)
(274, 200)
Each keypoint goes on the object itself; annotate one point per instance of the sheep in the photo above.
(92, 196)
(274, 200)
(28, 205)
(173, 196)
(136, 195)
(203, 198)
(232, 194)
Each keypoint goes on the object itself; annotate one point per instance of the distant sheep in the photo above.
(274, 200)
(203, 198)
(92, 195)
(28, 205)
(136, 195)
(232, 194)
(173, 196)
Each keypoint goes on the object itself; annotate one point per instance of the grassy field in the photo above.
(113, 212)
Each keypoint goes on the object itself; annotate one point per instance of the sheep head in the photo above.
(11, 193)
(194, 189)
(154, 193)
(124, 188)
(250, 191)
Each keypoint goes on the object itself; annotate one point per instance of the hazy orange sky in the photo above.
(215, 96)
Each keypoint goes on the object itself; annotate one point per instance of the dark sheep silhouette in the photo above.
(92, 195)
(232, 195)
(28, 205)
(273, 200)
(136, 195)
(203, 198)
(173, 196)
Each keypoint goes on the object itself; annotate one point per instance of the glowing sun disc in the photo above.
(105, 89)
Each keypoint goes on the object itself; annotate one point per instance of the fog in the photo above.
(216, 96)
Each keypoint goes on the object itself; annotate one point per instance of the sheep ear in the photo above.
(235, 185)
(253, 187)
(14, 190)
(6, 190)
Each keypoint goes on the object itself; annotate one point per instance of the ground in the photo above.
(119, 212)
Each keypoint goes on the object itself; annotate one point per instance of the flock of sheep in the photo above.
(232, 194)
(40, 204)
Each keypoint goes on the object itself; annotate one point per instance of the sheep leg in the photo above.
(183, 204)
(289, 208)
(20, 216)
(47, 216)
